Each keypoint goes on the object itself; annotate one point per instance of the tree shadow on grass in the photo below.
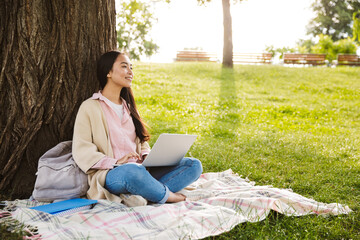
(226, 119)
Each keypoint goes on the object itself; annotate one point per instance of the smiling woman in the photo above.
(120, 76)
(110, 143)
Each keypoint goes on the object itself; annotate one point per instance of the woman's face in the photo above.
(121, 73)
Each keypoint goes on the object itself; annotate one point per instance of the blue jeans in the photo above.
(153, 183)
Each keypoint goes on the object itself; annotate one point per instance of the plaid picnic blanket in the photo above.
(216, 203)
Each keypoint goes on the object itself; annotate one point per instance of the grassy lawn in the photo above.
(295, 128)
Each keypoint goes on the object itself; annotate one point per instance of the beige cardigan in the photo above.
(91, 142)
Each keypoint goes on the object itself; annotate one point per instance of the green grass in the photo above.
(293, 128)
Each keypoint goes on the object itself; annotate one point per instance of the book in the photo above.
(73, 210)
(66, 207)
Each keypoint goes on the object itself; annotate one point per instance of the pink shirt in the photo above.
(121, 131)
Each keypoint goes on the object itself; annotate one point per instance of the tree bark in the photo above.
(48, 61)
(228, 44)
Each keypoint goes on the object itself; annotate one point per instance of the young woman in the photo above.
(109, 130)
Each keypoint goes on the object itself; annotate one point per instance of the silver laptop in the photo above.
(169, 149)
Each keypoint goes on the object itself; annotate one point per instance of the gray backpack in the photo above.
(58, 176)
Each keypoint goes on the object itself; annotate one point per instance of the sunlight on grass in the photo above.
(292, 128)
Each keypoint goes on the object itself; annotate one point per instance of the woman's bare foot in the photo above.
(175, 197)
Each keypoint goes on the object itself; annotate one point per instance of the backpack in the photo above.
(58, 176)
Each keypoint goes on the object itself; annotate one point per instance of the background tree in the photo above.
(271, 49)
(356, 27)
(305, 45)
(228, 42)
(135, 22)
(325, 45)
(48, 61)
(333, 18)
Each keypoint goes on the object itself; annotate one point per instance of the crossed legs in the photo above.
(156, 184)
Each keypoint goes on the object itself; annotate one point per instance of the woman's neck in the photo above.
(113, 94)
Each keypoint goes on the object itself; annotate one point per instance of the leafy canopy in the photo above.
(333, 18)
(135, 21)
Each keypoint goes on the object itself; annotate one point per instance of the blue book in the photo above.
(66, 207)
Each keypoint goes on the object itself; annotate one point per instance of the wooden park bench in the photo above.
(306, 58)
(188, 55)
(348, 59)
(263, 58)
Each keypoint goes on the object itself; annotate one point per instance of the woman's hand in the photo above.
(141, 160)
(128, 156)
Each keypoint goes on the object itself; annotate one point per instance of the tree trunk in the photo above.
(228, 44)
(48, 61)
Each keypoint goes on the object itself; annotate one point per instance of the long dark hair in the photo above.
(104, 66)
